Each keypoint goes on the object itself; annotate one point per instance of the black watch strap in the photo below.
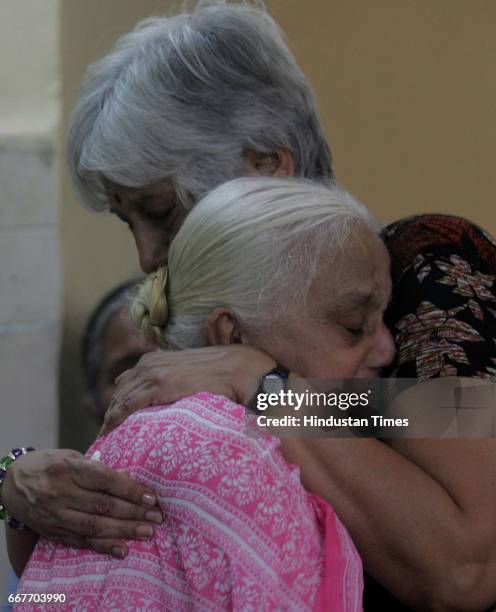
(279, 371)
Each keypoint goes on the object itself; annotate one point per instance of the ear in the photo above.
(280, 163)
(222, 328)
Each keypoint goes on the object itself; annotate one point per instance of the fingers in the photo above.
(119, 410)
(161, 378)
(157, 389)
(116, 414)
(142, 378)
(126, 387)
(113, 507)
(108, 546)
(94, 526)
(105, 546)
(94, 476)
(144, 364)
(69, 539)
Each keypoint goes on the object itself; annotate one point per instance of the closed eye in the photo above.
(160, 210)
(159, 215)
(356, 332)
(163, 219)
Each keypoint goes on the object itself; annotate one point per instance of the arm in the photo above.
(423, 520)
(63, 496)
(164, 377)
(20, 545)
(410, 510)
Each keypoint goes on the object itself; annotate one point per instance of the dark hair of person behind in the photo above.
(91, 345)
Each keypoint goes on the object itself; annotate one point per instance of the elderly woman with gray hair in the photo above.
(181, 105)
(259, 261)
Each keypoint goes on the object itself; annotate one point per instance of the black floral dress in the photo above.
(443, 312)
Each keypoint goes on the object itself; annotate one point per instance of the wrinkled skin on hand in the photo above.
(67, 498)
(164, 377)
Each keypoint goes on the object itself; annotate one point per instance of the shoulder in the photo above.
(214, 408)
(443, 312)
(436, 233)
(201, 416)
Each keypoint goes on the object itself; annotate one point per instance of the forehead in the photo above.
(359, 276)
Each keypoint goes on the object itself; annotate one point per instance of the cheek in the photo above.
(337, 363)
(353, 361)
(321, 352)
(333, 356)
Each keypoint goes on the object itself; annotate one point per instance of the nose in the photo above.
(151, 251)
(384, 350)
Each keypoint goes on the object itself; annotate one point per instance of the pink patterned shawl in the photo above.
(240, 531)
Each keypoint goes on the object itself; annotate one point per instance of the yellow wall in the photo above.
(407, 91)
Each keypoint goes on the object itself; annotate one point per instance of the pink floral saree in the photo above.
(240, 531)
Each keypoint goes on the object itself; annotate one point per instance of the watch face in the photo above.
(273, 383)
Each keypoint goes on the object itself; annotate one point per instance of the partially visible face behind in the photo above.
(153, 216)
(341, 333)
(122, 346)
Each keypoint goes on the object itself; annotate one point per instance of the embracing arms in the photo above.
(421, 512)
(67, 498)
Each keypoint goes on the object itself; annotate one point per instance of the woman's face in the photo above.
(153, 216)
(341, 333)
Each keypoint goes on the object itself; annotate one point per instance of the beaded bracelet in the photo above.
(14, 454)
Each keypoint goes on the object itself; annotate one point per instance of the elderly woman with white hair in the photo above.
(266, 262)
(181, 105)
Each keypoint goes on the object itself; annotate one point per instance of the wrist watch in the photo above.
(274, 381)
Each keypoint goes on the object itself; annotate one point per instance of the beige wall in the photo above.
(29, 247)
(407, 90)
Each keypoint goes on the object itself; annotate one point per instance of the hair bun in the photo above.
(149, 308)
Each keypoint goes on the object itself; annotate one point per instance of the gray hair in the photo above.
(182, 97)
(254, 246)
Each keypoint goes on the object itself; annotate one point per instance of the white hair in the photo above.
(180, 98)
(253, 246)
